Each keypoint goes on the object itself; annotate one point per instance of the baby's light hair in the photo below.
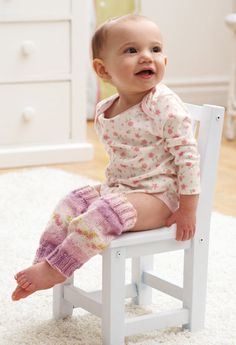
(100, 35)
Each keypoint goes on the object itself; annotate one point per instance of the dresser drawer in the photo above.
(31, 50)
(35, 8)
(35, 113)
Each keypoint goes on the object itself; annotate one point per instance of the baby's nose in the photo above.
(146, 55)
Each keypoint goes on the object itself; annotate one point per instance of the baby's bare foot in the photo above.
(40, 276)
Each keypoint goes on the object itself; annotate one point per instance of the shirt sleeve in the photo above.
(182, 145)
(100, 109)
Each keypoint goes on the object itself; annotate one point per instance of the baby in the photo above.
(152, 179)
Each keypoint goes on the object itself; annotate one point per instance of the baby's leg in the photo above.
(152, 212)
(74, 204)
(90, 233)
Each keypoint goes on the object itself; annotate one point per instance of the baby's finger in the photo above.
(188, 234)
(179, 233)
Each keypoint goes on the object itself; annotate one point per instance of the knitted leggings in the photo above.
(71, 206)
(88, 234)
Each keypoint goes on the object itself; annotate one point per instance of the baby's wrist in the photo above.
(188, 203)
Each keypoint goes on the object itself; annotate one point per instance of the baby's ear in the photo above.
(100, 69)
(166, 60)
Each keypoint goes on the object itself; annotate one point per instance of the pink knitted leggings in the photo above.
(83, 227)
(71, 206)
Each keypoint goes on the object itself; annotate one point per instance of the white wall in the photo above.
(198, 46)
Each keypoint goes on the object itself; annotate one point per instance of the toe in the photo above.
(30, 288)
(16, 293)
(21, 281)
(19, 275)
(20, 293)
(25, 285)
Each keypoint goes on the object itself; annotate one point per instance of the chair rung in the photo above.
(162, 285)
(82, 299)
(146, 323)
(92, 301)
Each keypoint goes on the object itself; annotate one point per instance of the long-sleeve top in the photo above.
(151, 146)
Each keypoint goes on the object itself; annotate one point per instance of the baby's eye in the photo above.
(131, 50)
(156, 49)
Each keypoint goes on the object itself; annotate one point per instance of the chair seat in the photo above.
(148, 242)
(143, 237)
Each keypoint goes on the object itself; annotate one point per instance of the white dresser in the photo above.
(43, 73)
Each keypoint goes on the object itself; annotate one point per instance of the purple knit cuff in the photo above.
(63, 262)
(123, 208)
(43, 250)
(88, 193)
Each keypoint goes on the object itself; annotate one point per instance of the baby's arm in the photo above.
(182, 145)
(185, 217)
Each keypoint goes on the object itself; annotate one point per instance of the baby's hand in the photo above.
(185, 223)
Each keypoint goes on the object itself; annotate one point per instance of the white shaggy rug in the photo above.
(27, 199)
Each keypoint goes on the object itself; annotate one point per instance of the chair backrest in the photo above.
(208, 122)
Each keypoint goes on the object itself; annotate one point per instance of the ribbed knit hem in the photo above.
(123, 208)
(63, 262)
(88, 193)
(43, 250)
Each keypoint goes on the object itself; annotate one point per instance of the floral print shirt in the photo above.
(151, 146)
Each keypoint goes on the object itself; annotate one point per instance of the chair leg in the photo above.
(139, 265)
(61, 307)
(113, 296)
(195, 284)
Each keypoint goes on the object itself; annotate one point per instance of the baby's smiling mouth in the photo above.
(146, 73)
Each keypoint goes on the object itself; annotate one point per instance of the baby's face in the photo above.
(133, 56)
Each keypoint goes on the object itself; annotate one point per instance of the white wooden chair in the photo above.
(140, 246)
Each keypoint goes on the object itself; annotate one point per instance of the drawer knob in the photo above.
(27, 48)
(28, 114)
